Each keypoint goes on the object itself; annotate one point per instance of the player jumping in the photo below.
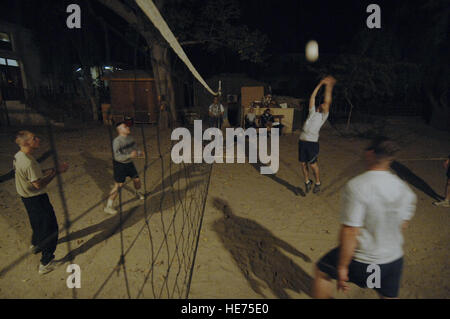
(308, 144)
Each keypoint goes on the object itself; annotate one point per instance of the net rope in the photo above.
(177, 194)
(152, 12)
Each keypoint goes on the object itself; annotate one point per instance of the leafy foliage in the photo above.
(369, 85)
(216, 25)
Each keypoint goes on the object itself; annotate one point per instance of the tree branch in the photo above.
(120, 9)
(195, 42)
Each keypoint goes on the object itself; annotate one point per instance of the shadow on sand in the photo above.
(259, 254)
(407, 175)
(157, 202)
(296, 190)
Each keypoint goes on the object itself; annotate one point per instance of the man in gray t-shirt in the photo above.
(308, 143)
(124, 150)
(376, 206)
(31, 185)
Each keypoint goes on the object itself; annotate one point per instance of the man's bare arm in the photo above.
(49, 174)
(47, 171)
(44, 181)
(330, 82)
(312, 99)
(348, 243)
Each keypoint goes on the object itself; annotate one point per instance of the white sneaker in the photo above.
(110, 210)
(47, 268)
(442, 203)
(140, 195)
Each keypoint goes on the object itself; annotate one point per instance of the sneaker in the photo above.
(316, 188)
(45, 269)
(442, 203)
(308, 186)
(110, 210)
(140, 195)
(35, 249)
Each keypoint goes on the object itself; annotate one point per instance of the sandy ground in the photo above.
(263, 244)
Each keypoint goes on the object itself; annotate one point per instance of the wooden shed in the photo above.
(133, 94)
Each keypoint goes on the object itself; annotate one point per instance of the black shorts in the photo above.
(122, 170)
(358, 273)
(308, 151)
(448, 172)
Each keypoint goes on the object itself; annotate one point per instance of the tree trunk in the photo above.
(88, 93)
(163, 77)
(160, 63)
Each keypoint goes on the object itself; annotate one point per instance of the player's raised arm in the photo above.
(312, 99)
(330, 82)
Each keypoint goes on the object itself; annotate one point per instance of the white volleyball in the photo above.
(312, 51)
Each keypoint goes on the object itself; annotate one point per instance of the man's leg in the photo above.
(305, 171)
(115, 192)
(33, 216)
(137, 186)
(446, 201)
(315, 165)
(322, 287)
(49, 231)
(303, 158)
(112, 196)
(315, 169)
(137, 183)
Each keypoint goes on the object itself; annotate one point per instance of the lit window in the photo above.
(2, 61)
(12, 62)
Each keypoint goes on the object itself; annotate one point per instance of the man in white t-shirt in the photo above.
(216, 112)
(376, 207)
(308, 143)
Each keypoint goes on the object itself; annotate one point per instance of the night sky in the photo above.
(289, 25)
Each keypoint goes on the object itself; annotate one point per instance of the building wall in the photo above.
(26, 51)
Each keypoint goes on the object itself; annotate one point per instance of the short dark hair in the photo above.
(119, 123)
(383, 147)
